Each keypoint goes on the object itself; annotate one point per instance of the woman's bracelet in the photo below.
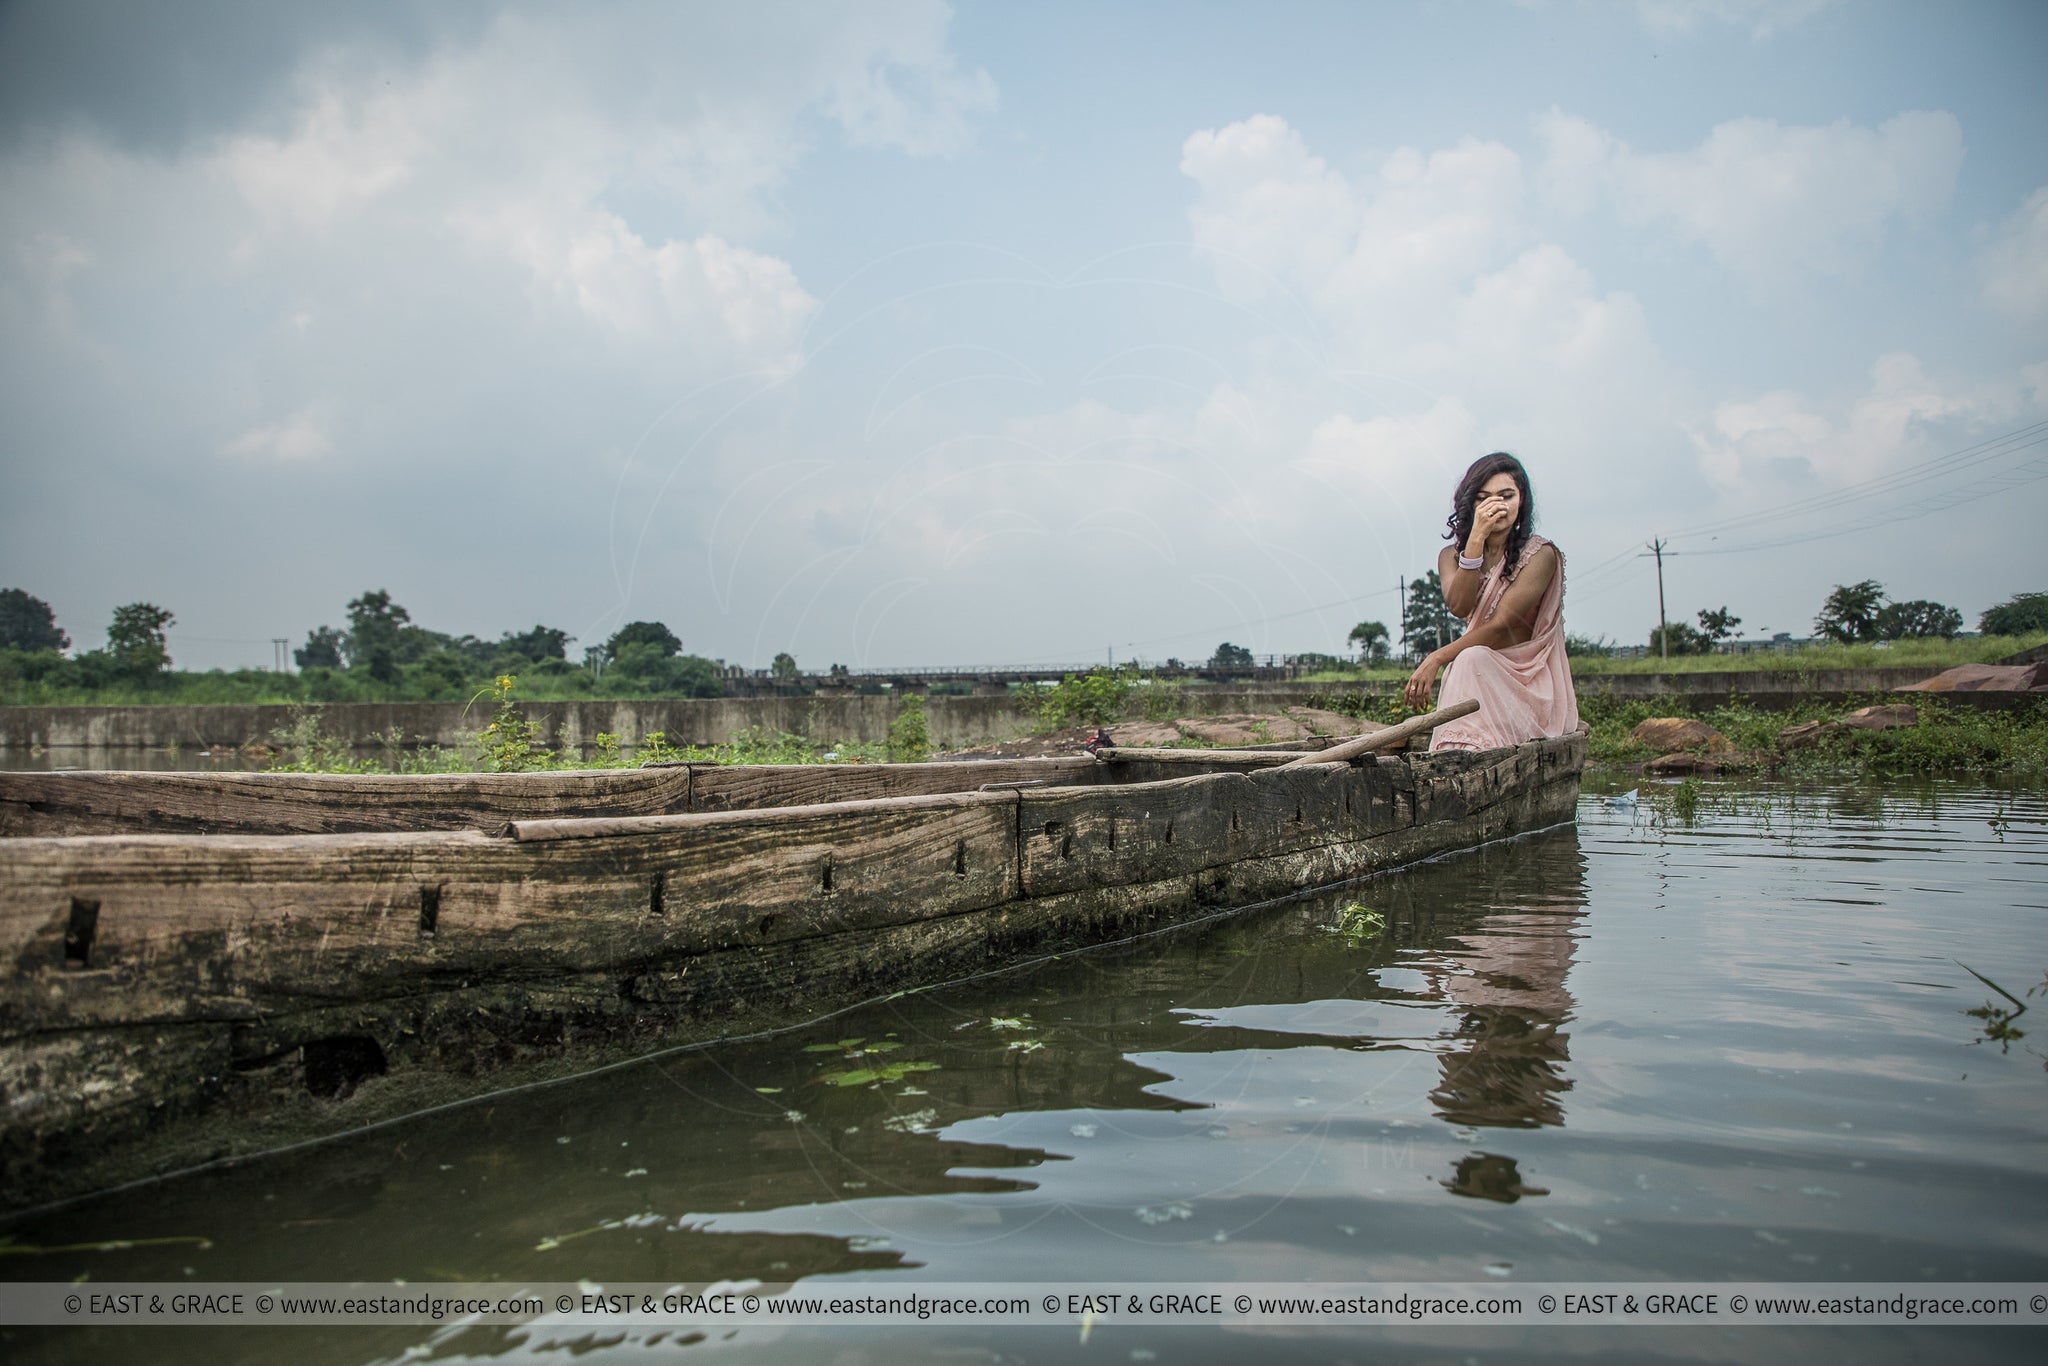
(1464, 563)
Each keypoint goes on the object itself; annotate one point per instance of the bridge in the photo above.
(991, 680)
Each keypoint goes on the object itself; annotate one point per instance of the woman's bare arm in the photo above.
(1513, 622)
(1461, 586)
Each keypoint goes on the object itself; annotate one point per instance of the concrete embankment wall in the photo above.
(956, 722)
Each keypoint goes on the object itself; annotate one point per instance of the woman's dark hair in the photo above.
(1466, 500)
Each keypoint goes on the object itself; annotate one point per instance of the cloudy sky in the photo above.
(901, 333)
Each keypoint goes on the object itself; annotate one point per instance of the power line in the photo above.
(1992, 448)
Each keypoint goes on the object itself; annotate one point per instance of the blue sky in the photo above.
(893, 334)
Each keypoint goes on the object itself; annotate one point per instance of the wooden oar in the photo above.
(1150, 755)
(1384, 739)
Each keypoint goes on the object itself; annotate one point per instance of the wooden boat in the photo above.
(211, 964)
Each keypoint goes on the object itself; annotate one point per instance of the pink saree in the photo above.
(1525, 691)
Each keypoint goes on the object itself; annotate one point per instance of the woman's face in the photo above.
(1501, 491)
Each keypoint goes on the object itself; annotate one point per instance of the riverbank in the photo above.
(147, 736)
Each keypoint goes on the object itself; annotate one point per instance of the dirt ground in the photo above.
(1228, 731)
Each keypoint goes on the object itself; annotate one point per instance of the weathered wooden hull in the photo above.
(177, 997)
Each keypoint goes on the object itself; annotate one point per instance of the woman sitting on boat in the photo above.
(1509, 583)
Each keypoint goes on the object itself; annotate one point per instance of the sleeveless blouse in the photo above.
(1524, 691)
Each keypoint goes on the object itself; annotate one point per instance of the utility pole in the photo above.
(1404, 618)
(1663, 622)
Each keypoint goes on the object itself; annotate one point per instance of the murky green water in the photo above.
(1640, 1049)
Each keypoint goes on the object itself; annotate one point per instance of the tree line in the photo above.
(1852, 614)
(380, 652)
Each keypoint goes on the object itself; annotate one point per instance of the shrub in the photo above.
(1095, 698)
(910, 737)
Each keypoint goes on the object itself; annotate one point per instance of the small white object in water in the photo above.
(1163, 1214)
(1081, 1130)
(1585, 1235)
(637, 1171)
(1624, 801)
(1499, 1268)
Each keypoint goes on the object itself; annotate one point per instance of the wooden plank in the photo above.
(113, 803)
(1107, 837)
(747, 787)
(205, 919)
(1241, 758)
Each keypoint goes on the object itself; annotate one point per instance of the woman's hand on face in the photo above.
(1416, 694)
(1492, 519)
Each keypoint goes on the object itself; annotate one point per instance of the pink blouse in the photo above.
(1524, 691)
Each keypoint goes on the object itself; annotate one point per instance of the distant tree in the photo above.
(1850, 612)
(784, 665)
(1590, 646)
(374, 622)
(1425, 617)
(2018, 615)
(1904, 620)
(1718, 624)
(642, 667)
(443, 674)
(542, 642)
(1683, 640)
(1230, 656)
(322, 649)
(1369, 638)
(27, 623)
(643, 633)
(135, 638)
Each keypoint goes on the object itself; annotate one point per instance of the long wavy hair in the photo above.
(1465, 502)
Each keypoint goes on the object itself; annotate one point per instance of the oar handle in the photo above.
(1388, 738)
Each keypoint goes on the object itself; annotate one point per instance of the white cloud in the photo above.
(1423, 221)
(2015, 264)
(337, 156)
(1769, 202)
(912, 95)
(1783, 441)
(1762, 18)
(1429, 274)
(303, 437)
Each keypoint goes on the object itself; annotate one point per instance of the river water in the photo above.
(1730, 1047)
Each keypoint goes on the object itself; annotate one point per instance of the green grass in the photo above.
(1952, 739)
(1932, 653)
(508, 743)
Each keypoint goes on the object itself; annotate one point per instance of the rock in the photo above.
(1733, 761)
(1890, 716)
(1804, 735)
(1985, 678)
(1680, 732)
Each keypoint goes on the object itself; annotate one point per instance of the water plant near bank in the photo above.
(509, 743)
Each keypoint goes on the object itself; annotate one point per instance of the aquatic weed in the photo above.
(1358, 924)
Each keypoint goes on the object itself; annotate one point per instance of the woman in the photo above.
(1509, 583)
